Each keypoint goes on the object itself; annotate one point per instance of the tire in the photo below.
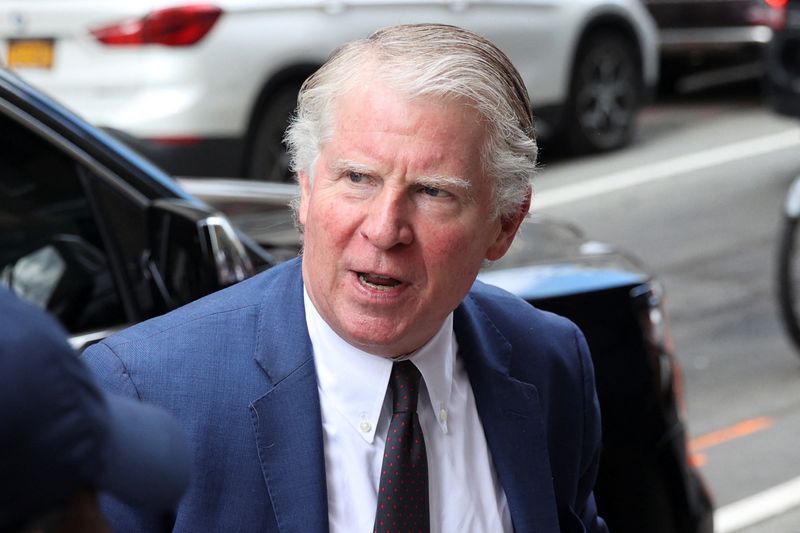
(268, 159)
(605, 94)
(788, 279)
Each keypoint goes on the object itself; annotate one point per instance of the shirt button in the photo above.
(365, 426)
(442, 415)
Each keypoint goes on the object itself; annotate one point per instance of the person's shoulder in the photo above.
(233, 305)
(25, 327)
(22, 317)
(510, 312)
(545, 349)
(541, 343)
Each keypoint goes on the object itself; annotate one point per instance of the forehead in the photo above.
(374, 121)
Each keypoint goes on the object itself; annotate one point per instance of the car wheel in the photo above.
(605, 94)
(269, 160)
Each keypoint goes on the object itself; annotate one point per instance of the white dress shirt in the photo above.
(464, 492)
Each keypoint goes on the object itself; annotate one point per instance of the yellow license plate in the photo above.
(30, 53)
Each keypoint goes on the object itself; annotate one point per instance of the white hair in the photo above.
(429, 60)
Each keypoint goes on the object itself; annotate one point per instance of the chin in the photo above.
(376, 346)
(385, 345)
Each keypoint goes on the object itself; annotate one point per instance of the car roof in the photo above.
(17, 97)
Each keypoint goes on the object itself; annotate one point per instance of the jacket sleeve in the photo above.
(112, 376)
(585, 506)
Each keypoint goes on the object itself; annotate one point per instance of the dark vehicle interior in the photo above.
(88, 248)
(51, 250)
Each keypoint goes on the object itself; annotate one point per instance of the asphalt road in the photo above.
(698, 198)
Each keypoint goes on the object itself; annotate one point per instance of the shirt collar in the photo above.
(355, 382)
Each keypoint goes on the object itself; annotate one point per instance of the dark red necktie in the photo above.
(403, 491)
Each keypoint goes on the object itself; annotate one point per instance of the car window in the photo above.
(126, 223)
(51, 250)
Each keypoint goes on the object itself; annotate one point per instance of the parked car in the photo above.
(207, 89)
(782, 79)
(710, 42)
(101, 238)
(95, 234)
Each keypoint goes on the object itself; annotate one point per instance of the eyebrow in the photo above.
(345, 165)
(445, 182)
(435, 181)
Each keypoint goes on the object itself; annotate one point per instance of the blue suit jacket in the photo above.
(236, 368)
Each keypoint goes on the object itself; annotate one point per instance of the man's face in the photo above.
(398, 218)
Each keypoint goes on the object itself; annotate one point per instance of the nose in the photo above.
(387, 221)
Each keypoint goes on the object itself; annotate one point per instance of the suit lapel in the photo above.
(287, 420)
(512, 422)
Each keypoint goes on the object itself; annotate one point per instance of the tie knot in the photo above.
(404, 383)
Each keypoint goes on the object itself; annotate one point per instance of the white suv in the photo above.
(206, 89)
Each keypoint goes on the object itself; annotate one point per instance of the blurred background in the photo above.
(670, 130)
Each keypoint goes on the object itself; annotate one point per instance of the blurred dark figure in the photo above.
(782, 81)
(62, 440)
(782, 93)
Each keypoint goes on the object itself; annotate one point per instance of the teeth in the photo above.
(377, 282)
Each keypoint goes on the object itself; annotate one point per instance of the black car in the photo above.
(782, 79)
(710, 42)
(645, 483)
(94, 233)
(101, 238)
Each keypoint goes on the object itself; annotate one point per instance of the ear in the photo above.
(305, 195)
(508, 230)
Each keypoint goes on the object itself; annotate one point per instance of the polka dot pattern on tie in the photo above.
(403, 490)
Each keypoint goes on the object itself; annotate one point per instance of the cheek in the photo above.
(453, 253)
(335, 226)
(329, 227)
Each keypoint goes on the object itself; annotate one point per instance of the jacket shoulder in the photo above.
(543, 348)
(516, 318)
(229, 304)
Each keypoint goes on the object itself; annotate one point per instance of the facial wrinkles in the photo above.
(395, 207)
(401, 149)
(342, 166)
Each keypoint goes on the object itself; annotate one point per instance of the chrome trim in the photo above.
(231, 262)
(78, 342)
(222, 190)
(700, 38)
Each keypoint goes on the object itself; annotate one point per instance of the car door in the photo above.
(72, 234)
(536, 34)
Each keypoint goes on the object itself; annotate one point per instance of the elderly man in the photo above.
(372, 384)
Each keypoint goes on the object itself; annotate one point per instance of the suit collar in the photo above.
(282, 343)
(512, 420)
(287, 419)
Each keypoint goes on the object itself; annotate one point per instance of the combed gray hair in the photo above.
(429, 60)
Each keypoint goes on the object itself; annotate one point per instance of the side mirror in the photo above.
(193, 251)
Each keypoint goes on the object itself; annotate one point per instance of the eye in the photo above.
(435, 191)
(357, 177)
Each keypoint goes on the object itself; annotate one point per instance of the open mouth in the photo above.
(381, 283)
